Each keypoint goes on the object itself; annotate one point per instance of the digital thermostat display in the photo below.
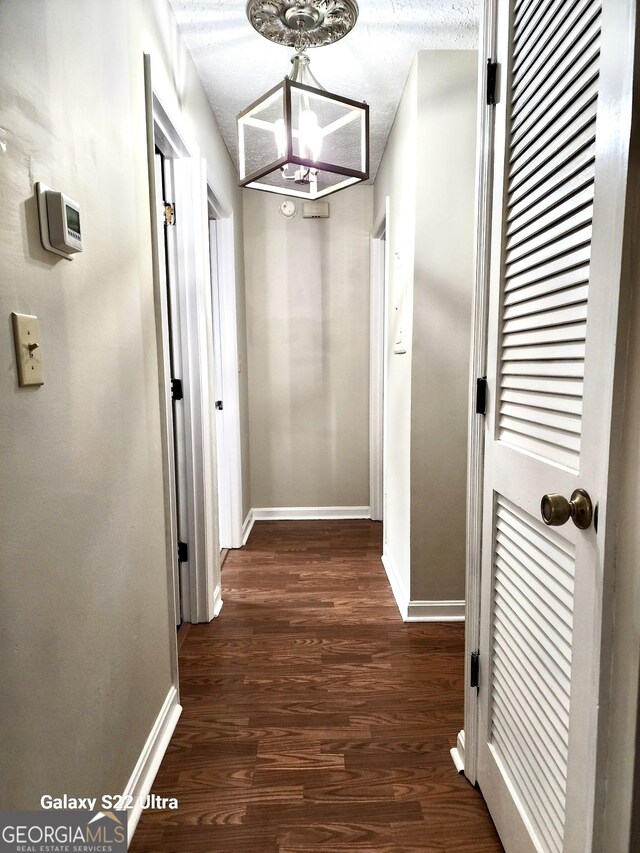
(73, 219)
(60, 229)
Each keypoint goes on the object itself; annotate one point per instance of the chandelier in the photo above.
(298, 139)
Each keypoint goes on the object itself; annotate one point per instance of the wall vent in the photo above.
(315, 210)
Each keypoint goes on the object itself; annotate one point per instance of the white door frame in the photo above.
(465, 754)
(616, 97)
(225, 330)
(378, 266)
(201, 591)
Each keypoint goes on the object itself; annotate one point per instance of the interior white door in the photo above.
(222, 452)
(552, 323)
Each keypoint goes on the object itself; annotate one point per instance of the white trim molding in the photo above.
(217, 601)
(435, 611)
(478, 369)
(414, 610)
(302, 513)
(397, 585)
(247, 527)
(150, 758)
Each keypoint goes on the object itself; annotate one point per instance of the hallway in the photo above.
(314, 719)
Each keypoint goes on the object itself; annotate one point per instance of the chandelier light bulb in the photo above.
(281, 136)
(310, 135)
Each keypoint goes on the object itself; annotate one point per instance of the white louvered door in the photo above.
(547, 429)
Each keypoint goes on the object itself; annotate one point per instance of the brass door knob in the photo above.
(557, 510)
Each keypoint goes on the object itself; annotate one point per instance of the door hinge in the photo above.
(492, 82)
(219, 405)
(169, 213)
(481, 395)
(183, 552)
(176, 389)
(474, 670)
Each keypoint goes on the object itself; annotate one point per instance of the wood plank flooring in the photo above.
(314, 719)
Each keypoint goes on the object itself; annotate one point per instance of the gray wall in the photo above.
(307, 291)
(83, 603)
(427, 173)
(443, 288)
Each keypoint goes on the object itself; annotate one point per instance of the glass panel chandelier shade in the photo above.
(299, 140)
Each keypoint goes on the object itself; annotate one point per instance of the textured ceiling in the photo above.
(236, 65)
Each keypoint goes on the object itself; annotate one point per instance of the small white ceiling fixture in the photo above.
(298, 139)
(372, 63)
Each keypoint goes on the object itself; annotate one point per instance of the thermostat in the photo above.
(60, 230)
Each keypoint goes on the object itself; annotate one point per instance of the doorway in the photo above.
(168, 251)
(227, 367)
(185, 362)
(377, 366)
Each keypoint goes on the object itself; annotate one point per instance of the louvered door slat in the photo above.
(554, 112)
(562, 75)
(550, 46)
(561, 387)
(510, 683)
(540, 402)
(511, 725)
(544, 352)
(546, 270)
(533, 163)
(570, 332)
(536, 596)
(558, 217)
(522, 605)
(514, 670)
(576, 174)
(553, 299)
(559, 420)
(533, 795)
(560, 247)
(534, 564)
(521, 288)
(535, 733)
(555, 317)
(531, 665)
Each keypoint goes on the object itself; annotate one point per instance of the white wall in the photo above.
(307, 291)
(396, 179)
(427, 172)
(83, 607)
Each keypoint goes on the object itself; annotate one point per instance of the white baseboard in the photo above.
(247, 527)
(419, 611)
(435, 611)
(152, 754)
(217, 601)
(397, 585)
(300, 513)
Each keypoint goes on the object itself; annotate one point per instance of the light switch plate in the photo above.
(26, 335)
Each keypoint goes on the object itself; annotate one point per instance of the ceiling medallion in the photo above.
(303, 23)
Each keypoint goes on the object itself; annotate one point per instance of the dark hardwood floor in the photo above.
(314, 719)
